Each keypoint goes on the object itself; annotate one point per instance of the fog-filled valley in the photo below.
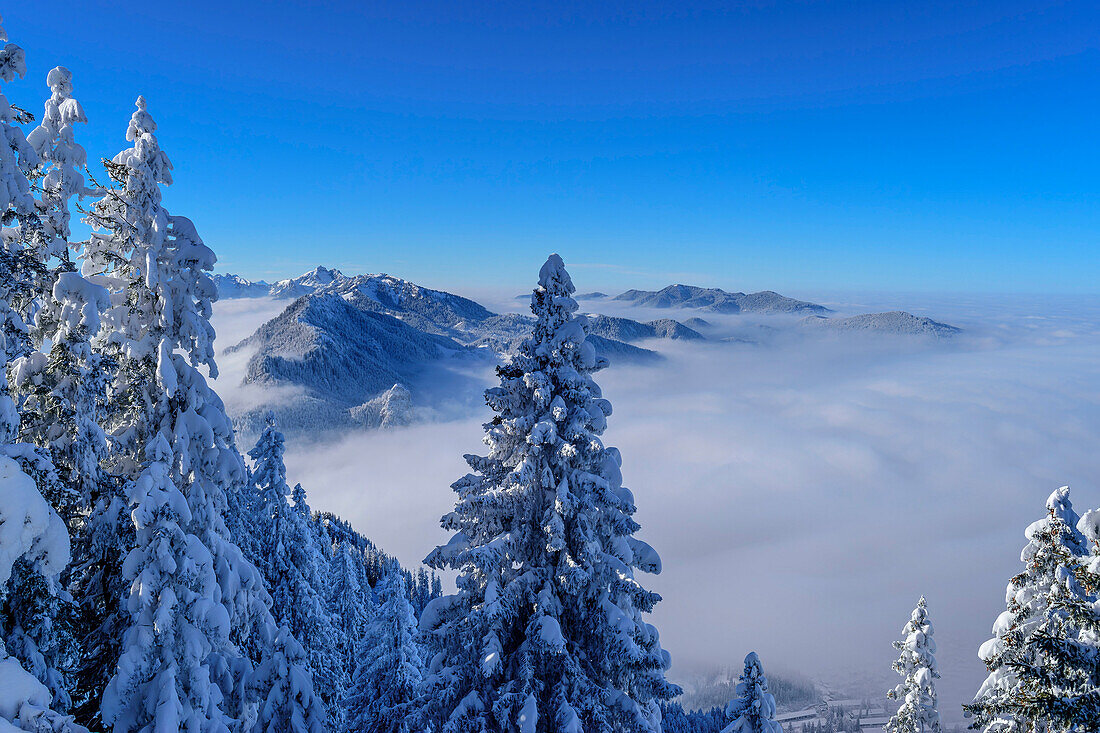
(803, 488)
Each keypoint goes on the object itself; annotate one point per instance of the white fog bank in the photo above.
(803, 493)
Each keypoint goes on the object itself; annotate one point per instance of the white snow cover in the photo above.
(29, 527)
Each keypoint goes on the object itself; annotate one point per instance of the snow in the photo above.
(29, 527)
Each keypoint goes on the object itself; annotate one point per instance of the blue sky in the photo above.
(797, 146)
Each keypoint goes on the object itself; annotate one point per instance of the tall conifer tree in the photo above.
(190, 585)
(753, 710)
(293, 569)
(546, 632)
(386, 689)
(917, 666)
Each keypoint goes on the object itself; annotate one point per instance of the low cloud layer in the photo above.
(804, 493)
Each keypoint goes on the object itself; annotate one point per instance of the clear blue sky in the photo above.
(786, 145)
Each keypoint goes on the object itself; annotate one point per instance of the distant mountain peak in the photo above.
(720, 301)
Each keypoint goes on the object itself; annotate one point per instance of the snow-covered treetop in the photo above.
(918, 637)
(17, 158)
(268, 468)
(63, 158)
(155, 265)
(1089, 527)
(753, 711)
(13, 63)
(1059, 512)
(1041, 655)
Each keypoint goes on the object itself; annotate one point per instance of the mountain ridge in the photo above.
(720, 301)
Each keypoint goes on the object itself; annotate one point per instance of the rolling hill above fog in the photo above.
(895, 322)
(719, 301)
(370, 350)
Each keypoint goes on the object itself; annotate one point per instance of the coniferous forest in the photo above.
(155, 575)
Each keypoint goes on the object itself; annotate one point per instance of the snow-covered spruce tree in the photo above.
(34, 543)
(294, 569)
(21, 237)
(386, 691)
(32, 607)
(61, 392)
(917, 667)
(1043, 657)
(546, 632)
(753, 711)
(289, 704)
(172, 447)
(30, 533)
(349, 603)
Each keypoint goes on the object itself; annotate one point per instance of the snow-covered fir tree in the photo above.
(753, 710)
(917, 666)
(546, 632)
(61, 391)
(1042, 660)
(172, 447)
(34, 542)
(289, 704)
(34, 610)
(349, 601)
(293, 568)
(385, 696)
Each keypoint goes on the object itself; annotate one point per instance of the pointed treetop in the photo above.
(553, 273)
(1059, 509)
(1059, 505)
(141, 122)
(554, 289)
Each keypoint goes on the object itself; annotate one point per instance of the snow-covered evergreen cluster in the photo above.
(149, 578)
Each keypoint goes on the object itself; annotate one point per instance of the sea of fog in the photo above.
(803, 492)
